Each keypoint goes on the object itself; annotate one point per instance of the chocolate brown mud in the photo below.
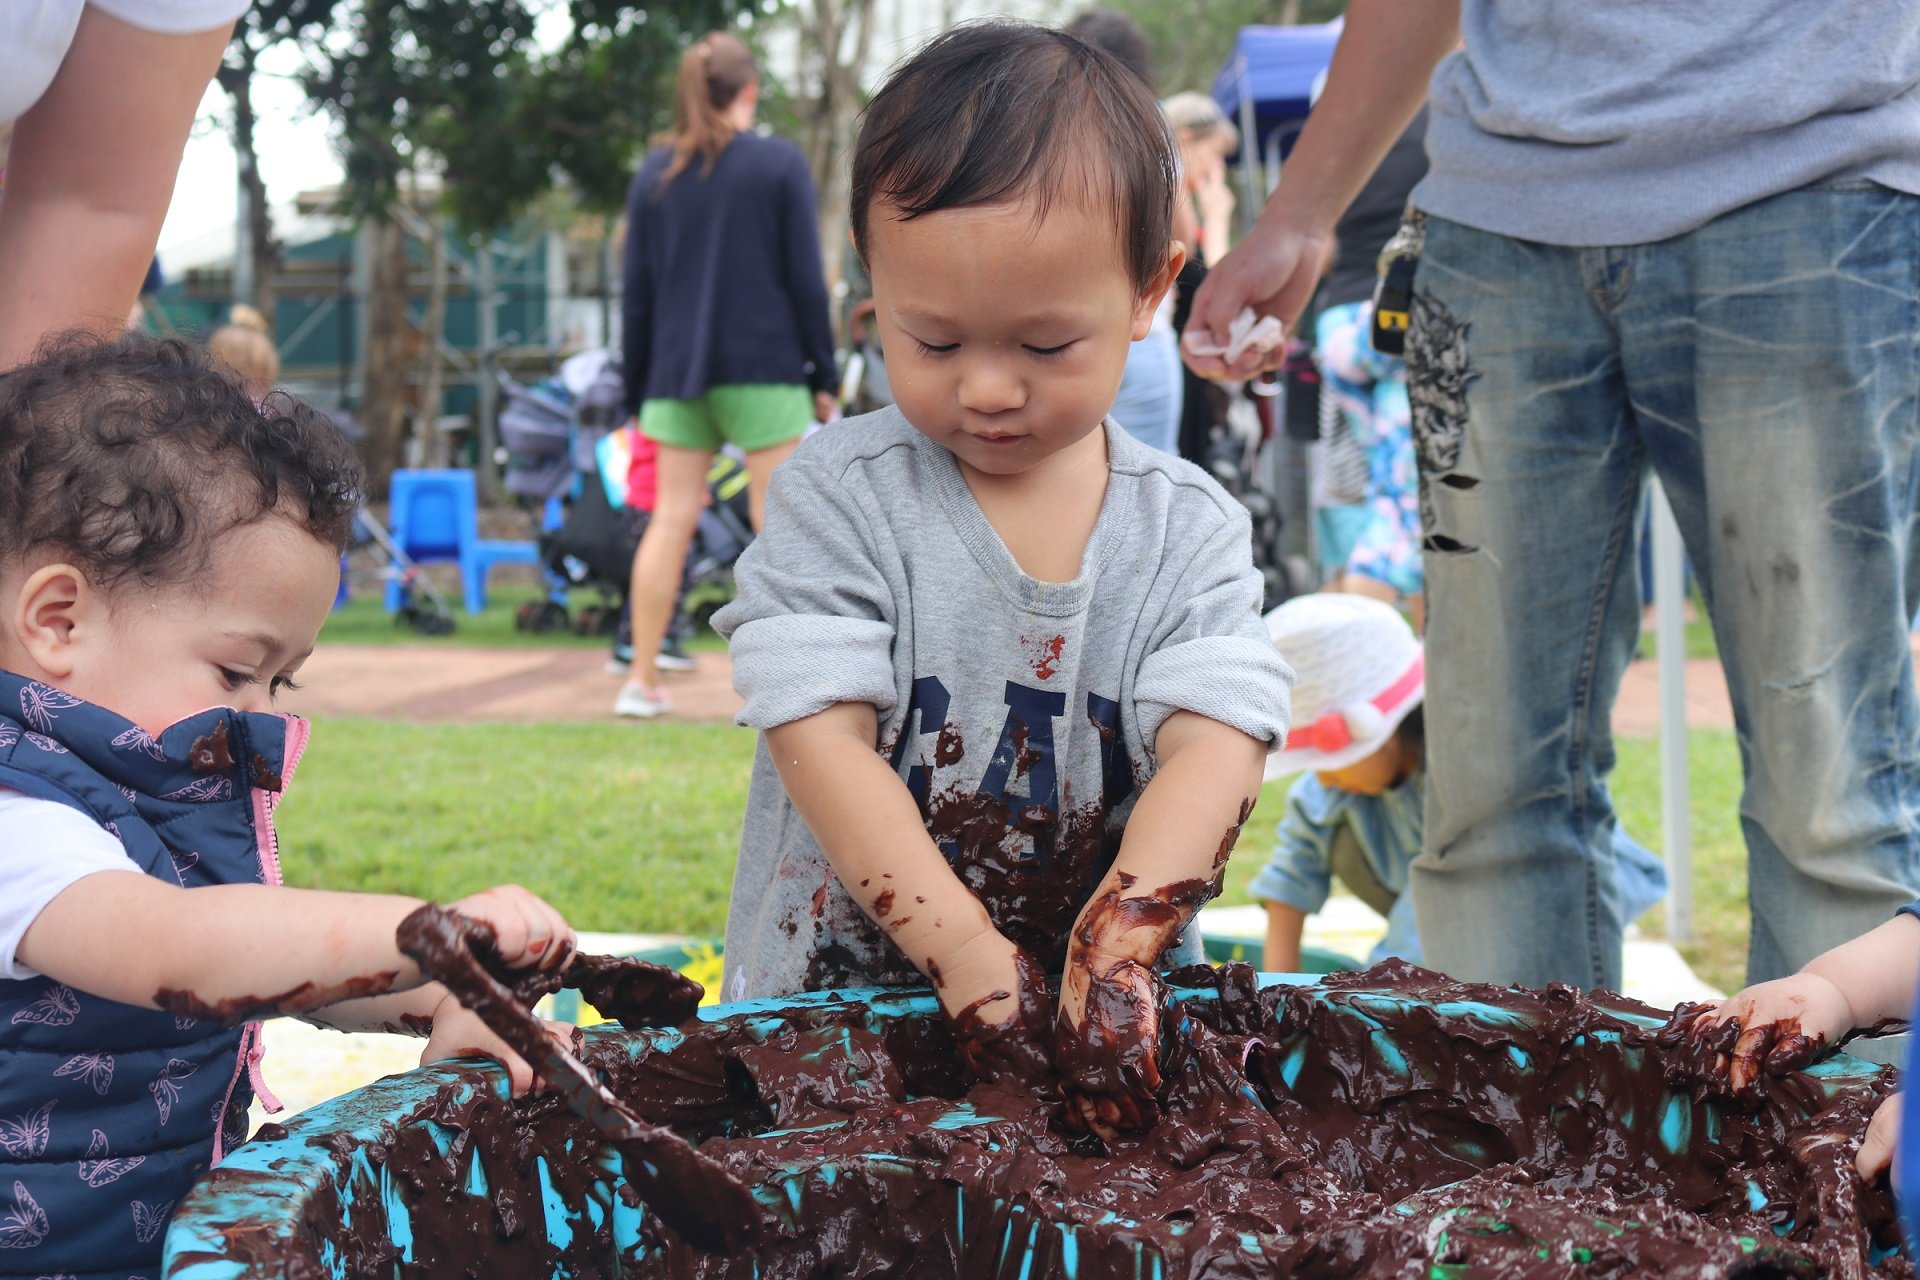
(234, 1010)
(1389, 1123)
(702, 1201)
(210, 752)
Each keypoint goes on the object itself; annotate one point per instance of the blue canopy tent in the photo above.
(1266, 86)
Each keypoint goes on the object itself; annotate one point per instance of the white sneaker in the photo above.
(641, 702)
(674, 659)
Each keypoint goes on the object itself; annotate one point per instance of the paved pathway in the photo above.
(440, 682)
(431, 682)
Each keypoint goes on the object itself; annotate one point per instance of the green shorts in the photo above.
(749, 415)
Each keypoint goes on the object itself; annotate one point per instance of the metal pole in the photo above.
(483, 285)
(243, 265)
(1669, 599)
(1252, 201)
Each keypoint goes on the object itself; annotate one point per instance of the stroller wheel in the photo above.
(525, 618)
(434, 624)
(549, 615)
(587, 621)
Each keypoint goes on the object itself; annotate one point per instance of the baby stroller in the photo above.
(549, 434)
(423, 607)
(593, 545)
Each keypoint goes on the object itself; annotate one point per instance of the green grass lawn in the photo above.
(634, 828)
(627, 828)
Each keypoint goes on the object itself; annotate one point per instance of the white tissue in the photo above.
(1243, 335)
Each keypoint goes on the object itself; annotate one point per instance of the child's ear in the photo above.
(1149, 298)
(56, 611)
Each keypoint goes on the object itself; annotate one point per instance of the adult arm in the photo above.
(1378, 79)
(90, 176)
(806, 278)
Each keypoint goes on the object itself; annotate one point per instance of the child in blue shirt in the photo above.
(1359, 683)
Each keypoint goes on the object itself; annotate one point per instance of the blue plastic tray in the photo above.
(290, 1193)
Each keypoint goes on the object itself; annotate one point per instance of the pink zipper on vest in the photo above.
(252, 1048)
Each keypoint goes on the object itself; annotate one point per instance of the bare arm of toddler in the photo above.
(1176, 845)
(450, 1028)
(871, 831)
(235, 952)
(1783, 1024)
(1286, 927)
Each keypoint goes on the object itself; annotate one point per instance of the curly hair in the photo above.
(133, 455)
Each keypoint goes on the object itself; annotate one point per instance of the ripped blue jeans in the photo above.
(1766, 368)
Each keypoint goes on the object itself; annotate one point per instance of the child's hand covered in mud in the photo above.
(1108, 1042)
(1774, 1028)
(996, 996)
(458, 1032)
(527, 932)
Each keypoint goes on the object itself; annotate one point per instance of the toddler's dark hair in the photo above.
(132, 455)
(995, 111)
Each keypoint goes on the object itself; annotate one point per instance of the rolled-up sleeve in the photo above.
(812, 620)
(1211, 654)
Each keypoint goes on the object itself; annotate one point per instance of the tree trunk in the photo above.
(835, 37)
(432, 360)
(383, 392)
(238, 82)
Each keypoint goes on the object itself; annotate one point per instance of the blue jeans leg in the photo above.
(1150, 395)
(1771, 358)
(1530, 476)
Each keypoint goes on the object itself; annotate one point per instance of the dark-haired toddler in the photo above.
(1008, 663)
(168, 551)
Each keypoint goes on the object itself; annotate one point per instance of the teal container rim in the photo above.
(291, 1169)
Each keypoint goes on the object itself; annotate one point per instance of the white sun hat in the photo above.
(1357, 671)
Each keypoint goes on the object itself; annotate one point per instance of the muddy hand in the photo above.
(1778, 1027)
(1111, 1059)
(1005, 1035)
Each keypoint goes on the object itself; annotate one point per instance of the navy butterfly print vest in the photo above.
(107, 1111)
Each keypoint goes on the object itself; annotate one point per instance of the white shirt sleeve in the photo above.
(36, 34)
(174, 17)
(44, 847)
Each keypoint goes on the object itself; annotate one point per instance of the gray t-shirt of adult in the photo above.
(1020, 714)
(1576, 122)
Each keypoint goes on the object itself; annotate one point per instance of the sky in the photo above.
(296, 154)
(296, 143)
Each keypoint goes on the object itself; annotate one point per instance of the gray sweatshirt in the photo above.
(1612, 122)
(1020, 714)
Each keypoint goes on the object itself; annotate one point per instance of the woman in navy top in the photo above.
(726, 324)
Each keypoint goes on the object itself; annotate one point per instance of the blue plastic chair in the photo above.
(435, 516)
